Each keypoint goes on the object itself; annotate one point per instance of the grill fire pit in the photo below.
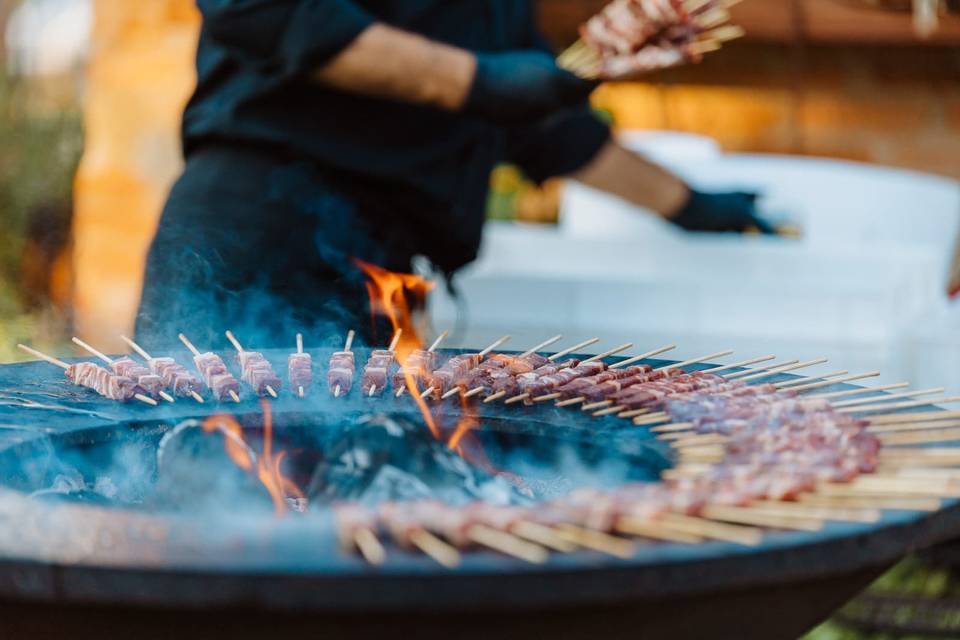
(122, 519)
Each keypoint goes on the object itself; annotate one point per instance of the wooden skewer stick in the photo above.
(189, 345)
(63, 365)
(652, 419)
(737, 365)
(234, 396)
(598, 541)
(609, 412)
(888, 397)
(633, 414)
(543, 535)
(725, 33)
(654, 530)
(860, 391)
(43, 356)
(140, 350)
(498, 343)
(680, 365)
(86, 347)
(443, 553)
(933, 436)
(799, 382)
(541, 346)
(643, 356)
(827, 383)
(913, 427)
(894, 503)
(713, 18)
(743, 515)
(900, 405)
(336, 391)
(494, 397)
(575, 348)
(236, 345)
(693, 6)
(507, 544)
(426, 392)
(107, 359)
(832, 514)
(146, 356)
(670, 428)
(611, 352)
(347, 346)
(766, 367)
(300, 391)
(783, 369)
(743, 535)
(396, 340)
(436, 343)
(369, 547)
(593, 406)
(373, 390)
(922, 416)
(473, 392)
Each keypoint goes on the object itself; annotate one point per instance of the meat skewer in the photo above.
(376, 373)
(507, 367)
(95, 377)
(151, 383)
(214, 372)
(342, 369)
(533, 386)
(449, 377)
(403, 523)
(356, 529)
(418, 366)
(175, 376)
(300, 369)
(256, 370)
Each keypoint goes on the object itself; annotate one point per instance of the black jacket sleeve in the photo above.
(291, 37)
(559, 145)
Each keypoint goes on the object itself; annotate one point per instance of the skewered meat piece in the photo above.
(340, 373)
(151, 383)
(548, 383)
(418, 366)
(453, 370)
(175, 377)
(107, 384)
(257, 372)
(606, 380)
(300, 371)
(376, 373)
(214, 372)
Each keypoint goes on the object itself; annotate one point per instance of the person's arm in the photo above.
(639, 181)
(635, 179)
(335, 43)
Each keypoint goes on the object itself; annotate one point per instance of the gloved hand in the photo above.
(721, 212)
(517, 87)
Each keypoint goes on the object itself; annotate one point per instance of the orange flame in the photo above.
(467, 423)
(389, 293)
(268, 466)
(233, 442)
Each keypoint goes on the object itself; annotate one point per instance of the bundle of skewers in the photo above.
(629, 38)
(751, 455)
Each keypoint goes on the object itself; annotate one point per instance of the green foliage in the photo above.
(40, 143)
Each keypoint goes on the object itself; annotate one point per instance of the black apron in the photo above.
(264, 245)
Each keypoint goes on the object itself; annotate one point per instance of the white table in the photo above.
(869, 270)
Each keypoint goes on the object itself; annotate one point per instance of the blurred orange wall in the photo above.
(140, 75)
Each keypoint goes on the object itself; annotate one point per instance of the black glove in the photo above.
(721, 212)
(517, 87)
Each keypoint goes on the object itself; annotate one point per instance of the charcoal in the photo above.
(392, 457)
